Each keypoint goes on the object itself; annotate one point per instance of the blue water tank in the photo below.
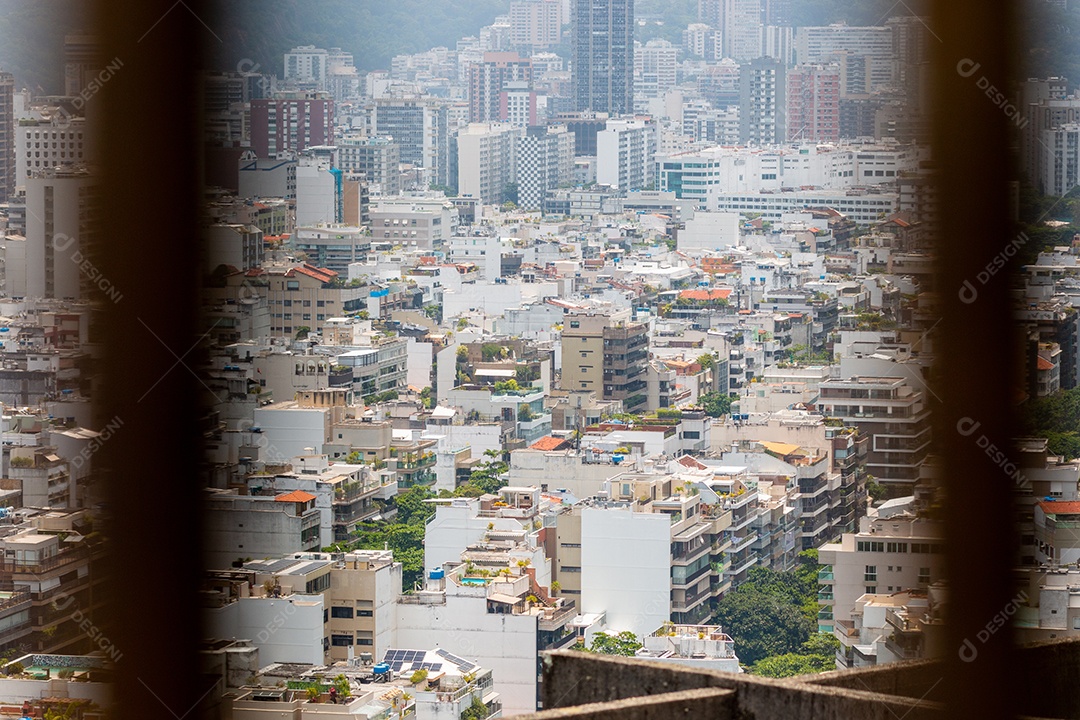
(437, 574)
(381, 668)
(616, 459)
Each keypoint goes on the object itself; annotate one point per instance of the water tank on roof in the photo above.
(381, 668)
(437, 574)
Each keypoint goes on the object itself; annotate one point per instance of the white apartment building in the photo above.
(545, 160)
(1060, 162)
(655, 68)
(864, 208)
(55, 250)
(319, 194)
(486, 160)
(741, 31)
(308, 64)
(245, 526)
(535, 24)
(697, 174)
(895, 550)
(40, 146)
(624, 154)
(894, 413)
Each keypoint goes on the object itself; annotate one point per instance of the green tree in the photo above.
(343, 688)
(707, 361)
(625, 643)
(791, 664)
(477, 710)
(715, 404)
(504, 386)
(817, 654)
(876, 490)
(772, 613)
(412, 510)
(302, 332)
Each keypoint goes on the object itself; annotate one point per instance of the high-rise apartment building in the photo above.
(7, 136)
(711, 12)
(59, 232)
(607, 354)
(655, 68)
(81, 61)
(486, 164)
(378, 158)
(420, 126)
(872, 46)
(603, 55)
(545, 160)
(813, 103)
(624, 154)
(762, 102)
(1060, 161)
(41, 145)
(307, 65)
(895, 416)
(535, 24)
(291, 121)
(488, 79)
(741, 31)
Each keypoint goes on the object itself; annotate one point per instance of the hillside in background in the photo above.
(260, 31)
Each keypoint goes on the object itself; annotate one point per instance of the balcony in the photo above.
(555, 618)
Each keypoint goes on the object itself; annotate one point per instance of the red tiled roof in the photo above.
(691, 462)
(295, 496)
(1060, 507)
(549, 443)
(320, 274)
(1043, 364)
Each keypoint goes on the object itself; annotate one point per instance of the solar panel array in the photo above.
(398, 659)
(462, 665)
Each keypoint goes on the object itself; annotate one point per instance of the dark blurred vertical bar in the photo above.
(149, 150)
(971, 146)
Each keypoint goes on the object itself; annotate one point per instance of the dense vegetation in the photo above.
(405, 534)
(772, 613)
(1057, 418)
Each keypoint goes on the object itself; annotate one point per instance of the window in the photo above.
(364, 613)
(870, 546)
(924, 576)
(292, 284)
(341, 640)
(870, 589)
(871, 573)
(341, 612)
(575, 324)
(318, 584)
(896, 547)
(570, 569)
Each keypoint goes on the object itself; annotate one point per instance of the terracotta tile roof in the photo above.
(691, 462)
(1044, 364)
(295, 496)
(1060, 507)
(320, 274)
(550, 443)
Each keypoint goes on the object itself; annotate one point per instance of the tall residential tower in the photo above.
(603, 55)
